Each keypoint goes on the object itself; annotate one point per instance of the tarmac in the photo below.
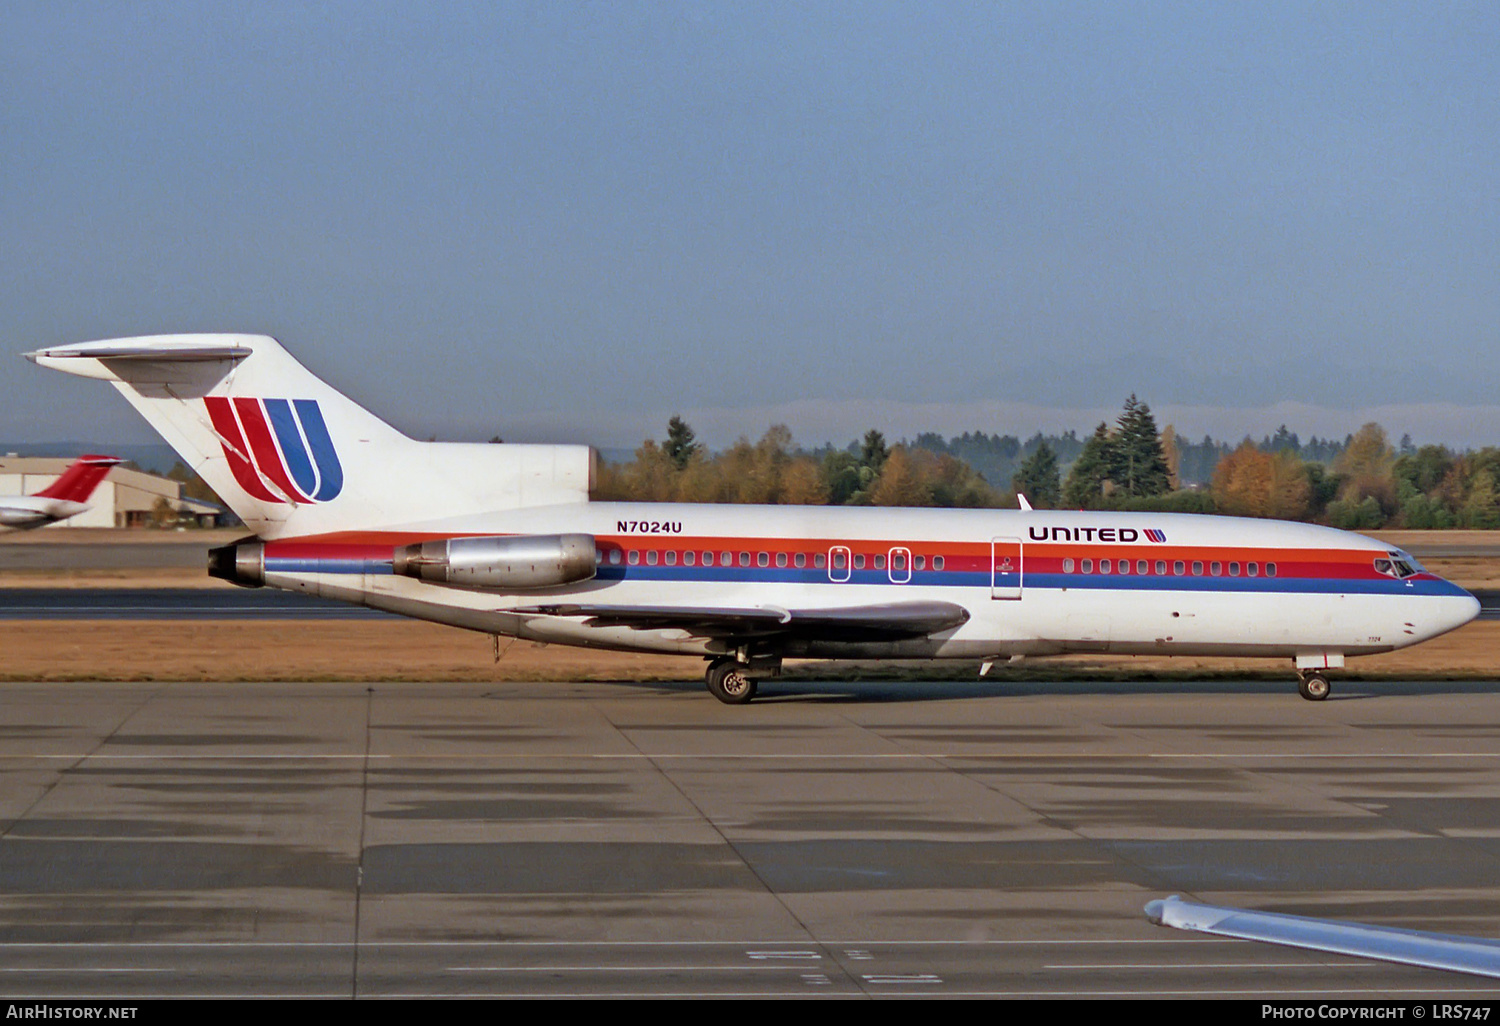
(834, 840)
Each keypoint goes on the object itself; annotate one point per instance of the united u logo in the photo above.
(278, 449)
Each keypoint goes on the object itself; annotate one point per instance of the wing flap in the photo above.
(889, 620)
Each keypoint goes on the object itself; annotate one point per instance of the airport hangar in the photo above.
(126, 498)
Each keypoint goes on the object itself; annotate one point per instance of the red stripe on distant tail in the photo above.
(80, 479)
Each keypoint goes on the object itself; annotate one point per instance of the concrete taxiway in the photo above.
(599, 839)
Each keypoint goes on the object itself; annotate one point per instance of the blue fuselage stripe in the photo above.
(1424, 585)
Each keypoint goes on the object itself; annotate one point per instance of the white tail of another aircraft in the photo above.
(293, 456)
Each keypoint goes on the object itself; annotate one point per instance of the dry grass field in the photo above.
(345, 650)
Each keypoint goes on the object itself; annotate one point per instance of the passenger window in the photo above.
(937, 562)
(708, 559)
(1179, 568)
(689, 557)
(726, 559)
(781, 559)
(1270, 569)
(1197, 568)
(1088, 566)
(839, 562)
(762, 559)
(821, 561)
(1142, 567)
(598, 557)
(671, 557)
(920, 562)
(1253, 569)
(1067, 566)
(614, 557)
(635, 557)
(880, 562)
(898, 561)
(744, 559)
(859, 561)
(800, 560)
(1234, 569)
(1161, 567)
(1216, 568)
(1104, 566)
(651, 558)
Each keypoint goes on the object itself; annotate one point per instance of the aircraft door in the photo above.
(838, 563)
(1005, 568)
(899, 564)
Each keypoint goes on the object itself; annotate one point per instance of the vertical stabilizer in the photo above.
(80, 479)
(293, 456)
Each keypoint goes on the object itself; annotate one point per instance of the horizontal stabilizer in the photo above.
(159, 350)
(1475, 955)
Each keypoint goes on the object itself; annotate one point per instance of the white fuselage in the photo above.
(1032, 582)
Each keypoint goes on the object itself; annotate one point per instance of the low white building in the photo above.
(125, 498)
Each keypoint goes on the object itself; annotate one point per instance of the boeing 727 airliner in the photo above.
(503, 539)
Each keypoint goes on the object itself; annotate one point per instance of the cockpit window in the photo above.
(1399, 565)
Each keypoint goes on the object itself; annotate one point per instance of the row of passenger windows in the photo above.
(1179, 567)
(841, 557)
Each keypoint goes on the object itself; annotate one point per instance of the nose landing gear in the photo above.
(1312, 685)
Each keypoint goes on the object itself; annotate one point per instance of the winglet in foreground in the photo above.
(1475, 955)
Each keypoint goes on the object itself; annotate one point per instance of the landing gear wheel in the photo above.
(1313, 687)
(727, 682)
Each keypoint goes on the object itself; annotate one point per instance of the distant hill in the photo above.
(158, 458)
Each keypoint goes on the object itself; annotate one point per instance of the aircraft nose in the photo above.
(1454, 611)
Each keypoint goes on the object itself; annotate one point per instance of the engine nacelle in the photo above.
(243, 563)
(524, 561)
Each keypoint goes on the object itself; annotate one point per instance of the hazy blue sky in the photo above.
(570, 219)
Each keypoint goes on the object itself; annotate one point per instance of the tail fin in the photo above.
(80, 479)
(292, 456)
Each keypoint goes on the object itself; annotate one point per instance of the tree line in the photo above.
(1361, 482)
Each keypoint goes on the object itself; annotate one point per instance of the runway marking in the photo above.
(784, 954)
(1224, 965)
(617, 968)
(887, 979)
(753, 756)
(86, 969)
(431, 995)
(604, 944)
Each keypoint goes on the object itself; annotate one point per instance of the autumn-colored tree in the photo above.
(1366, 467)
(1251, 482)
(900, 482)
(1173, 455)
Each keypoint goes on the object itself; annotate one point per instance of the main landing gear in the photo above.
(727, 682)
(1312, 685)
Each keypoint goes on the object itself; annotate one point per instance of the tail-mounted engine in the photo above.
(525, 561)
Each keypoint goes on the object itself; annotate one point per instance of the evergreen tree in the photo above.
(873, 452)
(1038, 477)
(1138, 466)
(681, 443)
(1085, 487)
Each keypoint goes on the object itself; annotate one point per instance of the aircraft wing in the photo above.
(878, 622)
(1475, 955)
